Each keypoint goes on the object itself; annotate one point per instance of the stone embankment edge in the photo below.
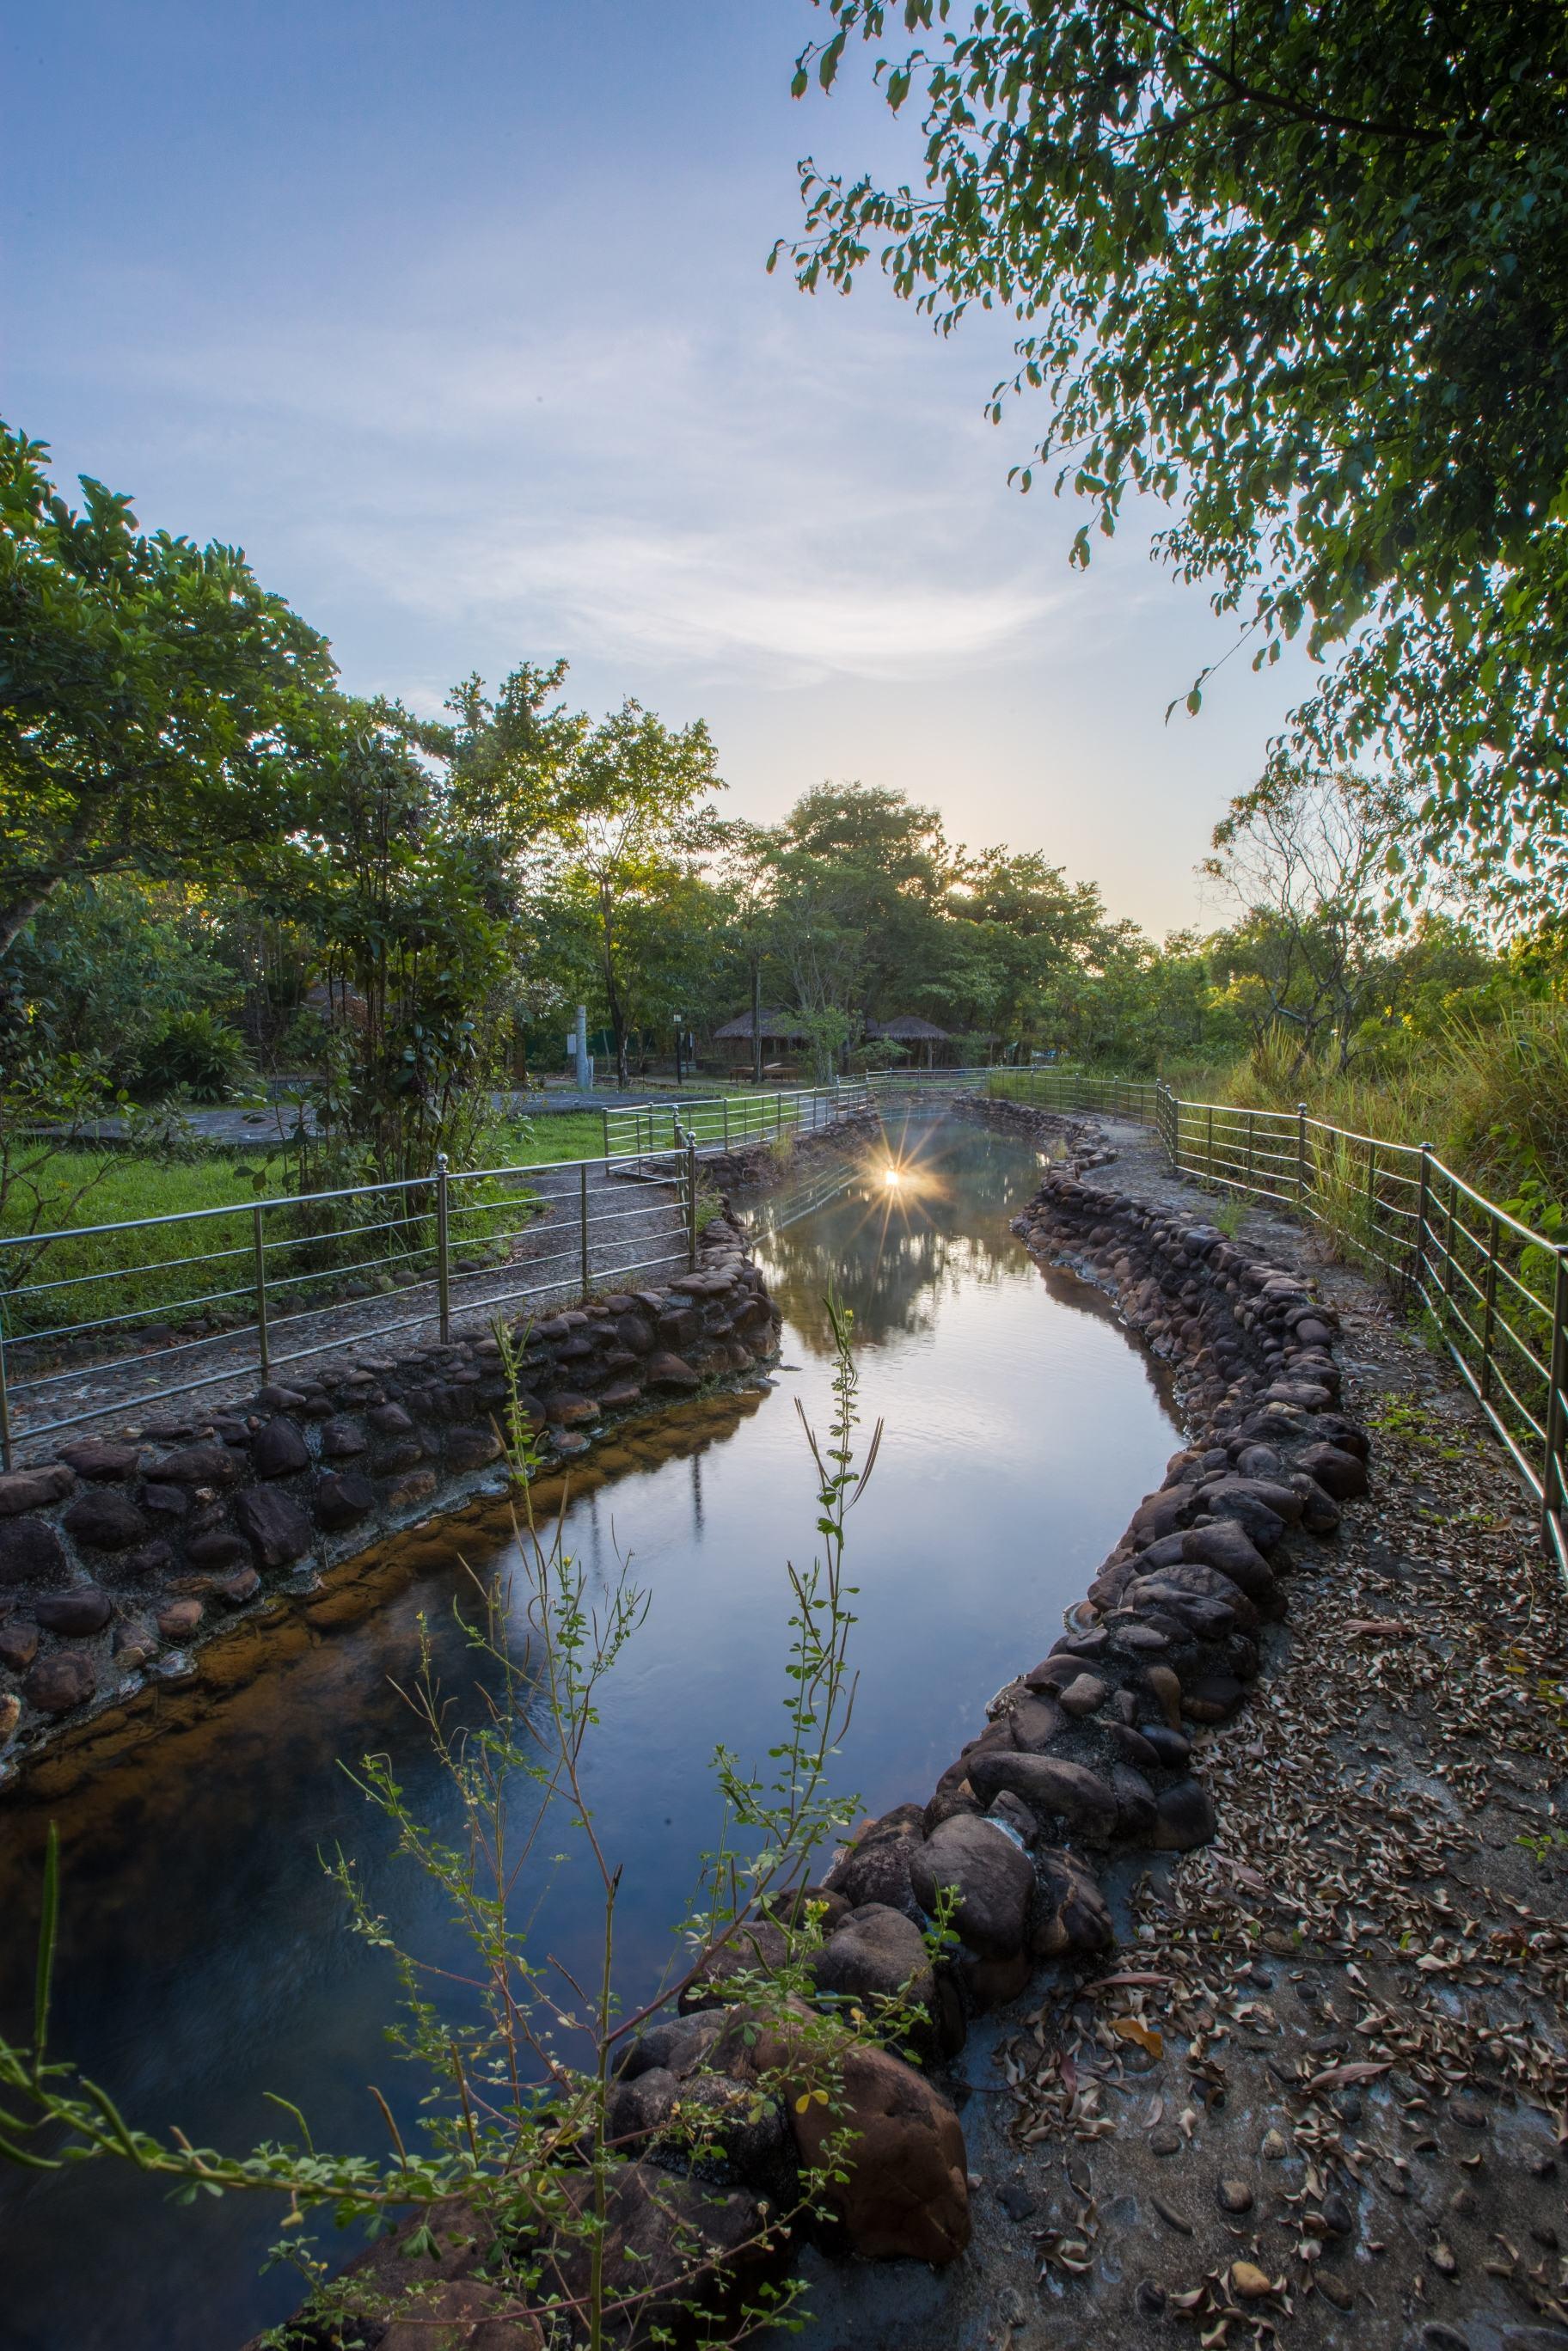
(1090, 1751)
(124, 1556)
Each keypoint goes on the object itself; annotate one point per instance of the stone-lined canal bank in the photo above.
(1317, 2095)
(124, 1557)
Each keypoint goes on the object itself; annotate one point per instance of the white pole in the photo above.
(579, 1042)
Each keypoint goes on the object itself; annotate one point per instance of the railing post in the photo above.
(604, 1115)
(443, 1251)
(1209, 1149)
(1488, 1315)
(259, 1256)
(1423, 1206)
(691, 1201)
(1301, 1156)
(1252, 1151)
(726, 1121)
(4, 1404)
(1553, 1479)
(586, 1268)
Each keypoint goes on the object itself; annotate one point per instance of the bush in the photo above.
(199, 1053)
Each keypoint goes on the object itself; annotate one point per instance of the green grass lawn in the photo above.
(142, 1275)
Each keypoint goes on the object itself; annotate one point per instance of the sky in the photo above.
(456, 318)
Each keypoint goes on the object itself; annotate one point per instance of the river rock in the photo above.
(1053, 1787)
(343, 1501)
(876, 1956)
(82, 1610)
(676, 2045)
(105, 1519)
(658, 2227)
(1212, 1697)
(1172, 1747)
(33, 1489)
(755, 1948)
(1136, 1815)
(1035, 1722)
(1185, 1817)
(18, 1644)
(218, 1547)
(669, 1371)
(1341, 1475)
(179, 1619)
(876, 1868)
(990, 1873)
(639, 2105)
(906, 2195)
(198, 1465)
(1229, 1548)
(1070, 1912)
(1084, 1694)
(472, 1449)
(342, 1439)
(64, 1680)
(95, 1457)
(279, 1449)
(30, 1552)
(279, 1528)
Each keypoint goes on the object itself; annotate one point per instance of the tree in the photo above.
(632, 824)
(419, 959)
(157, 705)
(1307, 854)
(1302, 274)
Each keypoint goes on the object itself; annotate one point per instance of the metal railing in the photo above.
(215, 1295)
(724, 1121)
(1494, 1289)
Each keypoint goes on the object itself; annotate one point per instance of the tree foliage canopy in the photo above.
(157, 705)
(1301, 272)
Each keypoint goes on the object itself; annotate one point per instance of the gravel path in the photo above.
(642, 1220)
(1318, 2096)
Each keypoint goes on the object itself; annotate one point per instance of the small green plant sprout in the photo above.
(523, 2154)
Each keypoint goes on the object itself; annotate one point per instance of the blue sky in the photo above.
(456, 320)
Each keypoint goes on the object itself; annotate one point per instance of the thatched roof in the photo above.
(785, 1026)
(907, 1031)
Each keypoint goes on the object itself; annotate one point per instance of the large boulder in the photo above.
(1053, 1787)
(874, 1958)
(755, 1948)
(1341, 1475)
(988, 1870)
(876, 1868)
(659, 2230)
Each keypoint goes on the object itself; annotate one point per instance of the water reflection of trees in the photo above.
(893, 1252)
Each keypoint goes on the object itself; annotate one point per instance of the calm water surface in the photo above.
(205, 1956)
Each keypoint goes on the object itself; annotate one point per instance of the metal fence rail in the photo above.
(724, 1121)
(262, 1277)
(153, 1308)
(1494, 1290)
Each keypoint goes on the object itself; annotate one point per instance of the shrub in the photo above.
(198, 1053)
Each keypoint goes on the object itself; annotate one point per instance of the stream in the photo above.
(205, 1956)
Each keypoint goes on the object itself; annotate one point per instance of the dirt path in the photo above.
(1317, 2097)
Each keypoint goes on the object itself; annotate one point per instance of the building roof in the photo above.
(783, 1025)
(909, 1030)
